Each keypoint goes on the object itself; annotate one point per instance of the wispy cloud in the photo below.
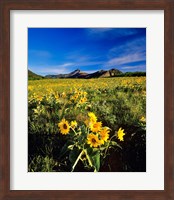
(130, 58)
(138, 67)
(133, 46)
(50, 70)
(141, 67)
(129, 52)
(65, 65)
(98, 30)
(110, 32)
(90, 71)
(64, 68)
(129, 67)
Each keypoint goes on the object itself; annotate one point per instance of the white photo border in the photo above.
(153, 178)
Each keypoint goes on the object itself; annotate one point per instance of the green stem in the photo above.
(74, 131)
(112, 137)
(109, 144)
(77, 160)
(89, 160)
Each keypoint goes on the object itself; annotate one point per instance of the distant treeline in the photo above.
(130, 74)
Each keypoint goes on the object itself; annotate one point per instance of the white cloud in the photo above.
(98, 30)
(56, 69)
(90, 71)
(138, 67)
(99, 33)
(120, 60)
(131, 51)
(90, 63)
(129, 67)
(66, 65)
(134, 46)
(51, 71)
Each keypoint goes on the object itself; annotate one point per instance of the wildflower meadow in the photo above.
(87, 125)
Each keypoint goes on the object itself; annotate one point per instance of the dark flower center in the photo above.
(93, 140)
(65, 126)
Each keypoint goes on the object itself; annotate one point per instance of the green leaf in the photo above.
(70, 147)
(89, 150)
(113, 143)
(64, 149)
(95, 158)
(102, 148)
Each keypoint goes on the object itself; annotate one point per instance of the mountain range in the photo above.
(79, 74)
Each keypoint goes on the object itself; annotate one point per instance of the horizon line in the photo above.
(89, 72)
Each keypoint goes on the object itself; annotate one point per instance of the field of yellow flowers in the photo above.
(87, 125)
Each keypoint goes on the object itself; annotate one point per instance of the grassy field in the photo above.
(87, 124)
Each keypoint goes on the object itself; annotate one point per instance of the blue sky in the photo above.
(62, 50)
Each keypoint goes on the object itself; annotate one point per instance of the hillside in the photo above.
(79, 74)
(33, 76)
(75, 74)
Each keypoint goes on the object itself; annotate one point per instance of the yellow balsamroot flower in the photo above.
(104, 134)
(82, 100)
(85, 99)
(93, 140)
(92, 117)
(143, 119)
(95, 127)
(120, 134)
(87, 122)
(79, 93)
(73, 124)
(64, 127)
(56, 96)
(39, 98)
(84, 93)
(63, 94)
(75, 97)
